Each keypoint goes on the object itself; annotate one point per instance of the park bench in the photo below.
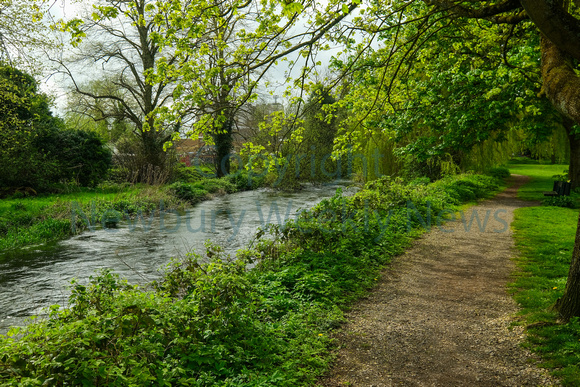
(561, 188)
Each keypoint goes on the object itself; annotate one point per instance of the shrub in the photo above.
(243, 182)
(559, 201)
(36, 149)
(81, 156)
(186, 174)
(499, 172)
(188, 192)
(218, 186)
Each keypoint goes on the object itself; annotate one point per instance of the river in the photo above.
(34, 278)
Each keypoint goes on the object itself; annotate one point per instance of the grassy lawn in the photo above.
(545, 238)
(542, 178)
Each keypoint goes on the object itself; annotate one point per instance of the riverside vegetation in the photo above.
(30, 220)
(212, 321)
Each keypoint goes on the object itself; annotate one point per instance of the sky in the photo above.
(52, 84)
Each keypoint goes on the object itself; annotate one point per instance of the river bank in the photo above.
(32, 220)
(34, 278)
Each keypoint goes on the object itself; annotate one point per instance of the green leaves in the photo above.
(465, 86)
(292, 8)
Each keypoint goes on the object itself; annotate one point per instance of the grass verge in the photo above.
(544, 236)
(541, 178)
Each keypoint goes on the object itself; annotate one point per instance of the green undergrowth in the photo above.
(211, 321)
(545, 239)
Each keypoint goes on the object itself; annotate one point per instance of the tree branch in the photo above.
(556, 24)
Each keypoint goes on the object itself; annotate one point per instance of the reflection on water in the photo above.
(32, 279)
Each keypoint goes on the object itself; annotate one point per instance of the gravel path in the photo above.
(440, 315)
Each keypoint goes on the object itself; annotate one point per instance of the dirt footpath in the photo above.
(441, 315)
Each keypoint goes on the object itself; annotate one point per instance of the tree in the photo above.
(120, 36)
(226, 48)
(450, 87)
(24, 114)
(21, 31)
(36, 150)
(315, 139)
(559, 25)
(102, 116)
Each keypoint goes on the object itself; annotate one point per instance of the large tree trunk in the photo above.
(569, 304)
(560, 82)
(562, 87)
(574, 166)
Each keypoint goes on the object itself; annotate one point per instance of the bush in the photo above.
(499, 172)
(81, 156)
(559, 201)
(188, 192)
(186, 174)
(140, 163)
(243, 182)
(36, 149)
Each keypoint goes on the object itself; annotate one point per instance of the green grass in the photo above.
(545, 238)
(542, 178)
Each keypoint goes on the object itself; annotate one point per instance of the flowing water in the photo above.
(35, 278)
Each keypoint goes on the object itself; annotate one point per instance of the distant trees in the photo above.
(191, 66)
(313, 145)
(122, 38)
(36, 150)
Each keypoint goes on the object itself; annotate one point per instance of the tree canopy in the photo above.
(36, 149)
